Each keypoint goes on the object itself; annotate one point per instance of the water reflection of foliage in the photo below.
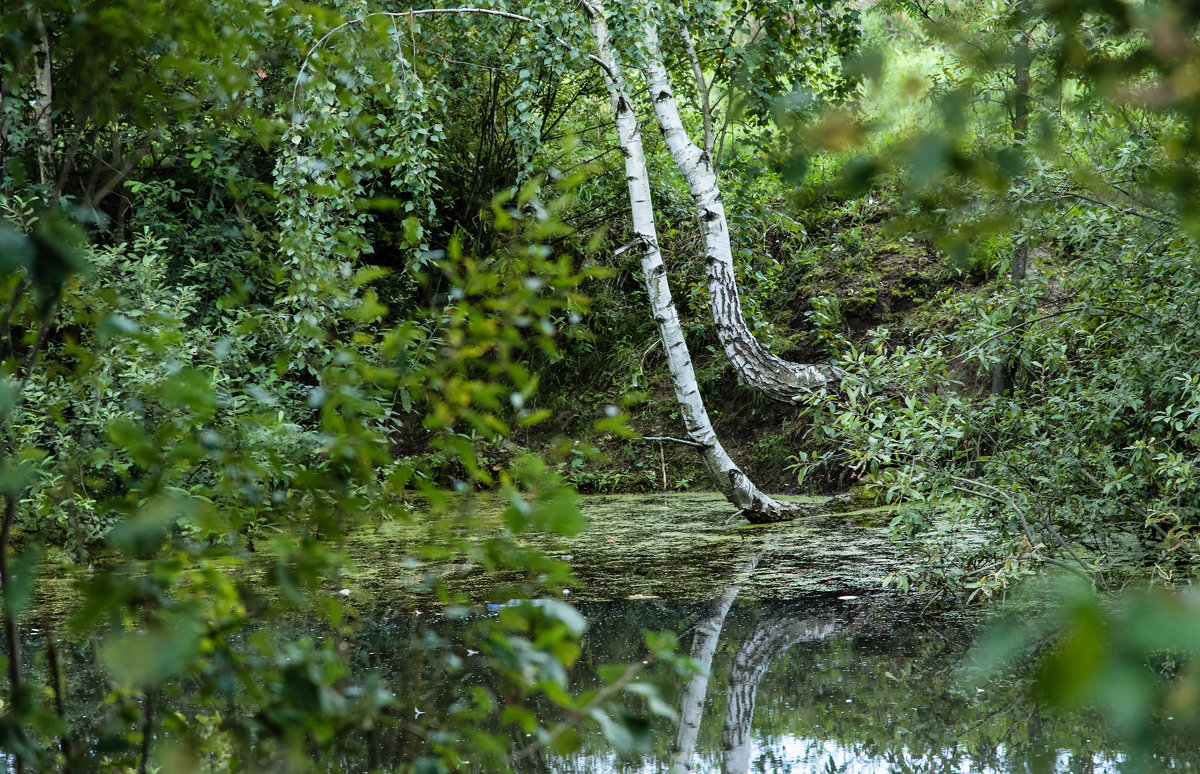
(871, 680)
(887, 690)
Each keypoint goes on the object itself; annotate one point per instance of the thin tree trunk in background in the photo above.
(1002, 371)
(4, 87)
(56, 685)
(775, 377)
(44, 90)
(12, 635)
(701, 88)
(728, 478)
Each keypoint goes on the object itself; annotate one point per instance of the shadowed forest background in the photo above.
(314, 310)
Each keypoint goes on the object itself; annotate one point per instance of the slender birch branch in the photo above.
(701, 88)
(662, 438)
(424, 12)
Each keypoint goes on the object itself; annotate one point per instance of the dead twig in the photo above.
(661, 438)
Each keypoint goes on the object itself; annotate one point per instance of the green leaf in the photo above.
(57, 256)
(560, 611)
(19, 592)
(16, 250)
(148, 657)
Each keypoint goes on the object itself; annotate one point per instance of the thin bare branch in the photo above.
(670, 440)
(1119, 208)
(423, 12)
(701, 88)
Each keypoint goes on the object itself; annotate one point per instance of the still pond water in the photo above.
(810, 668)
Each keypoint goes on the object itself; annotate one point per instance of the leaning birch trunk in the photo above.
(727, 477)
(770, 638)
(691, 706)
(775, 377)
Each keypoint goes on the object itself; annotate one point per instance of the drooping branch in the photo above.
(725, 474)
(780, 379)
(429, 11)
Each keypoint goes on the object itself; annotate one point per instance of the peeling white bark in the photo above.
(777, 378)
(44, 90)
(727, 477)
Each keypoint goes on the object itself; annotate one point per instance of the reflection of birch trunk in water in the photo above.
(773, 635)
(691, 707)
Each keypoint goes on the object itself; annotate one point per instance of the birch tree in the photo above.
(774, 376)
(624, 45)
(724, 473)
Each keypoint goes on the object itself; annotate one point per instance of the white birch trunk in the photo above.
(727, 477)
(778, 378)
(44, 90)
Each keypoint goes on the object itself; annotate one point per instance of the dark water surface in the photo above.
(810, 668)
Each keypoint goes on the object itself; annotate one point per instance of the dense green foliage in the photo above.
(270, 274)
(1086, 458)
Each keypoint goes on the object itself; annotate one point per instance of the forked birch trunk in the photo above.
(726, 475)
(775, 377)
